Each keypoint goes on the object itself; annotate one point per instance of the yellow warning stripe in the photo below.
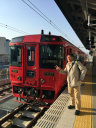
(88, 83)
(84, 120)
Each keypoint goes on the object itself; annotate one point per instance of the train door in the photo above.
(31, 70)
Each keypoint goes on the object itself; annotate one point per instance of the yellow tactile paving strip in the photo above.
(85, 118)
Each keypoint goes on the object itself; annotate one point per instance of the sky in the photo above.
(16, 14)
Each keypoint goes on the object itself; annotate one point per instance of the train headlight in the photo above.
(18, 78)
(42, 81)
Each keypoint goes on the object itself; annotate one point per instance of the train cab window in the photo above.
(45, 38)
(64, 54)
(70, 50)
(50, 56)
(67, 51)
(31, 56)
(16, 56)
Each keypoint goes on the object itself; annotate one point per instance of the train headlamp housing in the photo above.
(42, 81)
(18, 78)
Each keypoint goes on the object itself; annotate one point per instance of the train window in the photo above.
(70, 50)
(16, 56)
(67, 51)
(64, 53)
(50, 38)
(50, 56)
(31, 56)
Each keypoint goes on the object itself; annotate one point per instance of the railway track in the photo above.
(5, 90)
(25, 116)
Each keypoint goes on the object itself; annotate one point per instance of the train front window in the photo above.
(16, 56)
(31, 56)
(50, 56)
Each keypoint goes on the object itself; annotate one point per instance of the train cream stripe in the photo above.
(85, 118)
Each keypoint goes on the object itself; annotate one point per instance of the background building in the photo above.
(4, 51)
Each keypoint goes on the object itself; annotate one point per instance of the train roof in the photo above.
(37, 38)
(43, 38)
(73, 45)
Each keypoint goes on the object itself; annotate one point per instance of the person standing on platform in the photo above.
(75, 71)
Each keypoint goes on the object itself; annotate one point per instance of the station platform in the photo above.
(59, 116)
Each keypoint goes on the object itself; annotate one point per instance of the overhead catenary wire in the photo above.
(49, 21)
(41, 14)
(12, 28)
(1, 35)
(38, 11)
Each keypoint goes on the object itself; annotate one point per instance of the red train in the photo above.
(32, 65)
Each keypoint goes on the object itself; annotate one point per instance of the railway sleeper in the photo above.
(20, 123)
(29, 114)
(7, 124)
(23, 118)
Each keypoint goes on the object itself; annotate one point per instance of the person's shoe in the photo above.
(77, 112)
(71, 107)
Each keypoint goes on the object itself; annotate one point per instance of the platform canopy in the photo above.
(81, 14)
